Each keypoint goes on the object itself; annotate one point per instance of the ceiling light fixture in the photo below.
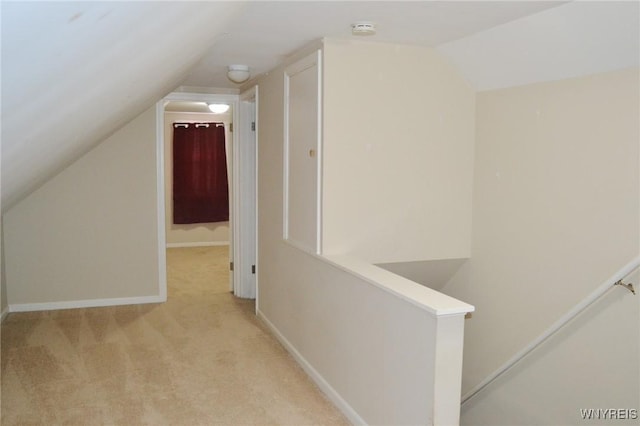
(363, 28)
(218, 108)
(238, 73)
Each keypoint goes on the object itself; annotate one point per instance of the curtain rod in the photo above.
(197, 124)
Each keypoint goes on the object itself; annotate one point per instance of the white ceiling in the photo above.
(266, 32)
(74, 72)
(574, 39)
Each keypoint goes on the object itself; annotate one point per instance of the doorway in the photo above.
(238, 235)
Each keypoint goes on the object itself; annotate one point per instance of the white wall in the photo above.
(90, 234)
(555, 214)
(197, 233)
(398, 153)
(372, 351)
(592, 363)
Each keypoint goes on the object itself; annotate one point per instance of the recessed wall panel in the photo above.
(302, 152)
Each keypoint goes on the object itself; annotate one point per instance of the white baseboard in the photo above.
(331, 393)
(4, 314)
(203, 244)
(92, 303)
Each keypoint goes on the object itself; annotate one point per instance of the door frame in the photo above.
(231, 99)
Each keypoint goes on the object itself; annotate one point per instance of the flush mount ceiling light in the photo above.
(218, 108)
(238, 73)
(363, 28)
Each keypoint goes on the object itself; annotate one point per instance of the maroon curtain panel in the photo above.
(200, 183)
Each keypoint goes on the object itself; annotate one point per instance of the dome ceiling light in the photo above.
(238, 73)
(218, 108)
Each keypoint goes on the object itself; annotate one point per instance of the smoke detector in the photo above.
(363, 28)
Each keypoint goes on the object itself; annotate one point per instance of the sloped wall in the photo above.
(398, 153)
(90, 234)
(555, 214)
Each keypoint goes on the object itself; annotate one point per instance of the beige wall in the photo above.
(555, 214)
(592, 363)
(373, 352)
(204, 233)
(91, 233)
(398, 153)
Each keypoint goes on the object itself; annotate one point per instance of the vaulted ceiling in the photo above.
(74, 72)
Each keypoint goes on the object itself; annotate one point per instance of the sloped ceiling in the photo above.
(74, 72)
(575, 39)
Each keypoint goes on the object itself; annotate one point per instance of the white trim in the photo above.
(235, 235)
(4, 314)
(91, 303)
(285, 160)
(257, 165)
(320, 147)
(233, 195)
(200, 97)
(322, 383)
(201, 244)
(425, 298)
(162, 236)
(309, 61)
(206, 89)
(604, 288)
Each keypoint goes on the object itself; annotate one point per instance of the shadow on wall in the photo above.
(434, 274)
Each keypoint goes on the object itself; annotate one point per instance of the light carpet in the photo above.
(202, 358)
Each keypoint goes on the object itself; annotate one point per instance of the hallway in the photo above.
(201, 358)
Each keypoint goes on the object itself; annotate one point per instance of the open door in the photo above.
(245, 200)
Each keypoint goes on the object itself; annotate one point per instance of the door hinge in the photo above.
(253, 269)
(253, 126)
(231, 266)
(231, 127)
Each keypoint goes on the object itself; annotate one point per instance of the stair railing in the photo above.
(615, 281)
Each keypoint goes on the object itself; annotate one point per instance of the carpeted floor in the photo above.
(202, 358)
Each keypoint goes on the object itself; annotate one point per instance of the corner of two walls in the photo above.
(89, 236)
(202, 233)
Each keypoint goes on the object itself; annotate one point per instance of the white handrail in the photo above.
(586, 302)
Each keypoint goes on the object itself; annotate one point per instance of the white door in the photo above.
(245, 257)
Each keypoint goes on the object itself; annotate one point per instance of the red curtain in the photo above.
(200, 183)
